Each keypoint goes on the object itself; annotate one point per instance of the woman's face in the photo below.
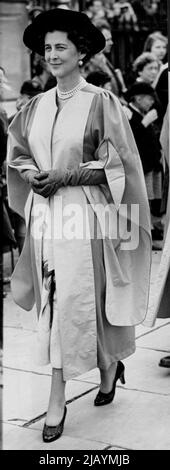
(149, 72)
(108, 37)
(61, 54)
(144, 102)
(159, 49)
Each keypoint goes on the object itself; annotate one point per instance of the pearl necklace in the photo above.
(64, 95)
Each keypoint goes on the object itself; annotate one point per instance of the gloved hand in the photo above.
(47, 183)
(28, 176)
(150, 117)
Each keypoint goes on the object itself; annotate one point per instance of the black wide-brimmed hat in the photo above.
(140, 88)
(62, 20)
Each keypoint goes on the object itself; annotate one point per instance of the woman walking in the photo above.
(71, 151)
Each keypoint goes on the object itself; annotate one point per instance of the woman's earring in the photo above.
(80, 63)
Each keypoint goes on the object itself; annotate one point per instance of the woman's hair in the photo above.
(156, 36)
(82, 44)
(142, 60)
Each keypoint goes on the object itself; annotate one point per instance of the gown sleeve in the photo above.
(116, 152)
(116, 144)
(19, 156)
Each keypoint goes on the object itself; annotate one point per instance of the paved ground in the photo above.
(139, 417)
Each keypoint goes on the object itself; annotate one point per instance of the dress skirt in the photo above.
(113, 342)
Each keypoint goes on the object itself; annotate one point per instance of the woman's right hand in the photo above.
(47, 183)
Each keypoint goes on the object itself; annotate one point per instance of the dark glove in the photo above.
(84, 177)
(47, 183)
(30, 177)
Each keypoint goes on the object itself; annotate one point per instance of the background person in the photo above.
(101, 63)
(157, 44)
(141, 97)
(146, 67)
(95, 10)
(99, 79)
(28, 90)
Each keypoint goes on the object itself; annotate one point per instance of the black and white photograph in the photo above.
(85, 231)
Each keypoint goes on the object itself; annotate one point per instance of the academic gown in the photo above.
(90, 130)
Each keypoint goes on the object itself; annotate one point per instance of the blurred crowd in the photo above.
(138, 77)
(132, 14)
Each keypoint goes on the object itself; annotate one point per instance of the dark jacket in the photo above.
(147, 142)
(3, 136)
(162, 90)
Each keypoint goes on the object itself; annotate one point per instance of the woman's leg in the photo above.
(57, 398)
(107, 377)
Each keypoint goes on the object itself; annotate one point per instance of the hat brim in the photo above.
(140, 89)
(62, 20)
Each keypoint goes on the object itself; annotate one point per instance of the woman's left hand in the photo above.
(47, 183)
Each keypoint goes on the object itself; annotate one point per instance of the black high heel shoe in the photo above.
(105, 398)
(51, 433)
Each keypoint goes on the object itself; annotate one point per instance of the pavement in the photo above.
(137, 419)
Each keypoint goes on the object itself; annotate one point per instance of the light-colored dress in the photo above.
(102, 284)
